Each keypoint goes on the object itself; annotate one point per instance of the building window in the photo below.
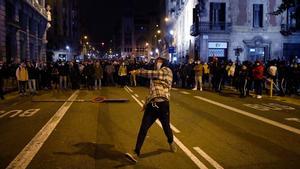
(258, 13)
(217, 15)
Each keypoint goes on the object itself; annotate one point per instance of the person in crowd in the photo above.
(90, 71)
(98, 75)
(206, 72)
(198, 68)
(190, 75)
(122, 74)
(1, 80)
(282, 76)
(157, 105)
(132, 66)
(63, 74)
(45, 77)
(183, 75)
(33, 75)
(110, 69)
(22, 77)
(243, 80)
(258, 76)
(74, 75)
(55, 76)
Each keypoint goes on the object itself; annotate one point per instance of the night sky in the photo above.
(98, 18)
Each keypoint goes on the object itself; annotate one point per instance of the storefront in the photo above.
(218, 49)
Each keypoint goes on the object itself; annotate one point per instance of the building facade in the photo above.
(244, 30)
(136, 36)
(180, 18)
(64, 34)
(23, 25)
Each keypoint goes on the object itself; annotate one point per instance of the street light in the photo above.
(171, 32)
(159, 31)
(85, 37)
(147, 44)
(167, 19)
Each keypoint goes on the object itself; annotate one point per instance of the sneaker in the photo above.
(173, 147)
(133, 157)
(194, 89)
(259, 96)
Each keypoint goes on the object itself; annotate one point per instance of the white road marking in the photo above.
(143, 101)
(184, 92)
(265, 120)
(15, 112)
(257, 107)
(129, 89)
(179, 143)
(136, 95)
(293, 119)
(269, 106)
(175, 89)
(31, 149)
(208, 158)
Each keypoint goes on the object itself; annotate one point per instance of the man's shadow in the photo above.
(105, 151)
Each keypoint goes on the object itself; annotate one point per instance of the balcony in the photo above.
(207, 27)
(38, 7)
(194, 31)
(287, 29)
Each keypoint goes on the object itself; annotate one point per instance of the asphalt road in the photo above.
(211, 130)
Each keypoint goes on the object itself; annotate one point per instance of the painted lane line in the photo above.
(131, 91)
(198, 163)
(136, 95)
(175, 89)
(24, 158)
(242, 112)
(184, 92)
(143, 101)
(208, 158)
(293, 119)
(175, 130)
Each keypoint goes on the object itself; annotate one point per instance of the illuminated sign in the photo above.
(217, 45)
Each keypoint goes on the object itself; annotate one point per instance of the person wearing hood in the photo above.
(258, 75)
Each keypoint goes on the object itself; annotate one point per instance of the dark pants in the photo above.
(161, 112)
(22, 86)
(258, 86)
(243, 87)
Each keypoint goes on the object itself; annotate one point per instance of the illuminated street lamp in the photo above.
(147, 44)
(167, 19)
(159, 31)
(85, 37)
(171, 32)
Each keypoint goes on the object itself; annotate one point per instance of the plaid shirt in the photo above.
(160, 82)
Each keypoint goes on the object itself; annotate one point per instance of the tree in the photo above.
(285, 5)
(288, 5)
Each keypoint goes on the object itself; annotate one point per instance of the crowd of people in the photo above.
(30, 77)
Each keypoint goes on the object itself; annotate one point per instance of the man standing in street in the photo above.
(157, 104)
